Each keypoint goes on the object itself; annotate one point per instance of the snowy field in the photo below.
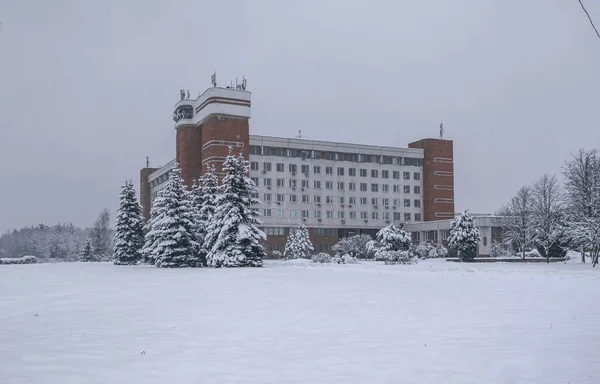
(435, 322)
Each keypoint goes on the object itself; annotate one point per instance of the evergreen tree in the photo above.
(86, 252)
(298, 245)
(233, 233)
(100, 236)
(202, 198)
(464, 237)
(129, 236)
(170, 240)
(392, 244)
(151, 238)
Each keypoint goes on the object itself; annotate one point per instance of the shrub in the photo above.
(19, 260)
(276, 255)
(344, 259)
(322, 258)
(397, 257)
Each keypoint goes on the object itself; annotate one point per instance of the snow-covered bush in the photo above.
(499, 250)
(322, 258)
(298, 245)
(19, 260)
(276, 255)
(390, 239)
(397, 257)
(428, 250)
(464, 237)
(355, 245)
(343, 259)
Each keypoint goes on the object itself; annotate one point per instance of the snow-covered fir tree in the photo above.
(202, 196)
(464, 236)
(233, 233)
(298, 245)
(170, 241)
(86, 252)
(157, 213)
(392, 244)
(129, 228)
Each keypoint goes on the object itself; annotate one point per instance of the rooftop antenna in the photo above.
(213, 79)
(441, 130)
(182, 94)
(244, 83)
(147, 162)
(299, 133)
(188, 94)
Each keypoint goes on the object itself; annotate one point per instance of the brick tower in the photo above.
(208, 126)
(438, 178)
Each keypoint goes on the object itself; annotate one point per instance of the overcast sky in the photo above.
(87, 88)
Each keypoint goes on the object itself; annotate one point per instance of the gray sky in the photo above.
(87, 88)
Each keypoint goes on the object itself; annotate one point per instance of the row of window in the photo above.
(341, 185)
(352, 215)
(335, 156)
(317, 199)
(340, 171)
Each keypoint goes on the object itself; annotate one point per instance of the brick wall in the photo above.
(145, 198)
(228, 130)
(188, 144)
(439, 158)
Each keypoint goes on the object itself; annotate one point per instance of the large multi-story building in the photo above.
(335, 189)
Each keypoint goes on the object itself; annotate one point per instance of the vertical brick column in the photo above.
(218, 133)
(438, 178)
(145, 198)
(188, 144)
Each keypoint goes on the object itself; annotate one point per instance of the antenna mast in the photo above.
(441, 130)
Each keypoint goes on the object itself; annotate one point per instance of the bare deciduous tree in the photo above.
(516, 220)
(547, 214)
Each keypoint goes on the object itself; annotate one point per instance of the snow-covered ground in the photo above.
(435, 322)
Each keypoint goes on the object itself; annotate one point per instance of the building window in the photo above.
(407, 189)
(324, 232)
(292, 213)
(316, 198)
(341, 215)
(317, 169)
(363, 201)
(267, 182)
(254, 180)
(255, 150)
(340, 171)
(317, 214)
(416, 176)
(406, 175)
(281, 182)
(267, 212)
(407, 203)
(279, 212)
(386, 215)
(363, 173)
(417, 217)
(385, 201)
(375, 215)
(341, 200)
(374, 187)
(254, 165)
(267, 197)
(340, 185)
(363, 187)
(275, 231)
(417, 203)
(396, 189)
(407, 216)
(267, 167)
(352, 186)
(396, 175)
(363, 215)
(306, 198)
(329, 199)
(280, 167)
(397, 216)
(385, 188)
(317, 184)
(293, 198)
(329, 214)
(329, 185)
(304, 214)
(374, 201)
(305, 183)
(417, 189)
(352, 200)
(385, 174)
(484, 241)
(280, 198)
(293, 168)
(374, 173)
(352, 215)
(329, 170)
(304, 169)
(351, 171)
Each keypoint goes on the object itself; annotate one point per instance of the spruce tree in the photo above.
(170, 240)
(202, 198)
(464, 236)
(233, 233)
(290, 246)
(157, 213)
(129, 227)
(86, 252)
(298, 245)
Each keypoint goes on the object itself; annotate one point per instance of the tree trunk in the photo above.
(582, 256)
